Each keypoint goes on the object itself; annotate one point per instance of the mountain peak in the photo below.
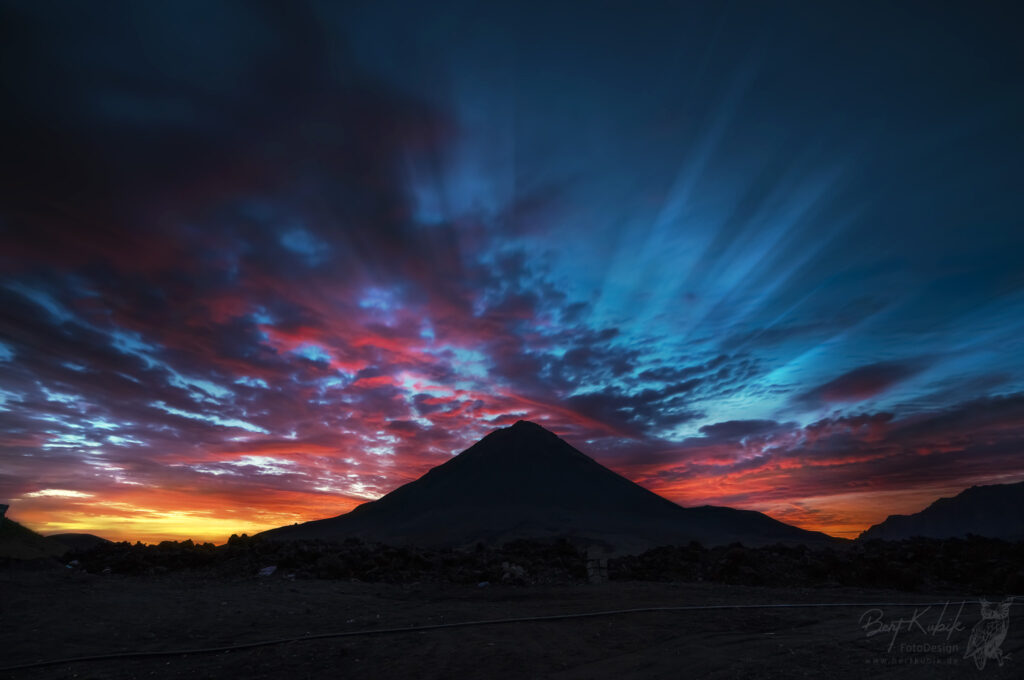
(522, 433)
(526, 426)
(525, 481)
(522, 441)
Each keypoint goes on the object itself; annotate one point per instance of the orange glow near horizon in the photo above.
(225, 314)
(152, 517)
(254, 480)
(155, 516)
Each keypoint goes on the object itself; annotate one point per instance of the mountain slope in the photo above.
(524, 481)
(78, 541)
(21, 543)
(996, 510)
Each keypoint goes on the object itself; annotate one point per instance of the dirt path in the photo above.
(63, 614)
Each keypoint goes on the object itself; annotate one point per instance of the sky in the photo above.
(262, 262)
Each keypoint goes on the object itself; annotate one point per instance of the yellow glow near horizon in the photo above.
(168, 526)
(122, 521)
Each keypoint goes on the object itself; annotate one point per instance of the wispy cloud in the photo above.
(256, 271)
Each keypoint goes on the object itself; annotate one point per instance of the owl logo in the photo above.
(988, 634)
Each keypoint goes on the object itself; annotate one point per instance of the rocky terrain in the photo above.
(162, 599)
(972, 565)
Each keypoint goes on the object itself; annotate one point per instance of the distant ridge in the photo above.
(21, 543)
(78, 541)
(524, 481)
(995, 510)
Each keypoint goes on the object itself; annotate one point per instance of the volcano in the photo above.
(524, 481)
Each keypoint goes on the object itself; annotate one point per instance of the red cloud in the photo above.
(862, 383)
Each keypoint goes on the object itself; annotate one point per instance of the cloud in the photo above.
(255, 273)
(738, 429)
(861, 383)
(883, 460)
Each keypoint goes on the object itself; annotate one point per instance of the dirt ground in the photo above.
(61, 614)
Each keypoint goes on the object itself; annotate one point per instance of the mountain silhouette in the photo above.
(524, 481)
(21, 543)
(996, 511)
(78, 541)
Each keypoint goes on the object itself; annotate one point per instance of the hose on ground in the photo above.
(459, 624)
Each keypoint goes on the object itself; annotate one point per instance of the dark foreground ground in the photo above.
(57, 613)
